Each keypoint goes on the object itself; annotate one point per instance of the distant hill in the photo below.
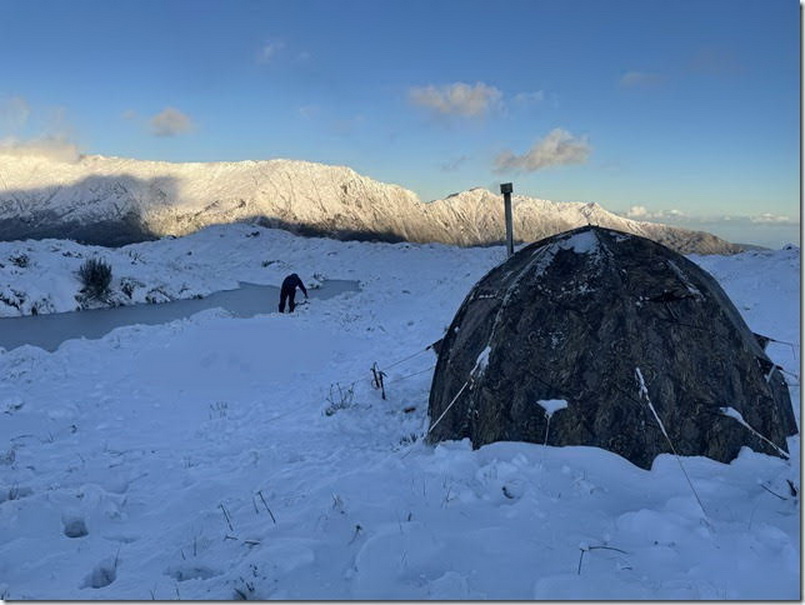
(115, 201)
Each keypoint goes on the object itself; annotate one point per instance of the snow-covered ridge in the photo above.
(113, 201)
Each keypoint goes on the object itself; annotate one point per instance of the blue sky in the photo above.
(685, 112)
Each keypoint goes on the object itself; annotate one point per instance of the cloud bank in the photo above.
(53, 148)
(171, 122)
(641, 213)
(768, 218)
(458, 99)
(558, 148)
(677, 217)
(54, 143)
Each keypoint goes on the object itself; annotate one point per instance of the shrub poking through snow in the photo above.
(21, 260)
(128, 285)
(340, 398)
(96, 275)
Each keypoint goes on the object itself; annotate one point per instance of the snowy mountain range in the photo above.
(115, 201)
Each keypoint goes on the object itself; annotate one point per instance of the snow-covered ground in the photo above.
(218, 457)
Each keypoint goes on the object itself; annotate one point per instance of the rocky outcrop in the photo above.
(113, 201)
(600, 338)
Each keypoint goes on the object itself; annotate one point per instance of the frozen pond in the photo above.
(48, 331)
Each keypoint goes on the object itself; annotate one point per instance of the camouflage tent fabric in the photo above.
(600, 338)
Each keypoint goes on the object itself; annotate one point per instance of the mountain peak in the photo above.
(113, 200)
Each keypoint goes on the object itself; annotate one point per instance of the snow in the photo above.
(552, 406)
(643, 393)
(733, 413)
(585, 242)
(693, 290)
(482, 362)
(40, 197)
(219, 457)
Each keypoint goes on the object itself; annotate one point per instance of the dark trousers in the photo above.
(289, 296)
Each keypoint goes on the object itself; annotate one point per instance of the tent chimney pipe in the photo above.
(506, 189)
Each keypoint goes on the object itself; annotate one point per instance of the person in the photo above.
(288, 292)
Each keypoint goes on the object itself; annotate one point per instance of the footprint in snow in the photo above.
(103, 575)
(182, 573)
(75, 527)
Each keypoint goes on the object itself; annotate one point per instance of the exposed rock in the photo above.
(631, 338)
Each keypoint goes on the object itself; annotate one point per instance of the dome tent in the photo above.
(600, 338)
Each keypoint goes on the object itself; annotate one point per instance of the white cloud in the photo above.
(678, 217)
(170, 122)
(458, 99)
(637, 212)
(14, 113)
(558, 148)
(773, 219)
(769, 230)
(56, 135)
(269, 51)
(529, 98)
(641, 213)
(53, 148)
